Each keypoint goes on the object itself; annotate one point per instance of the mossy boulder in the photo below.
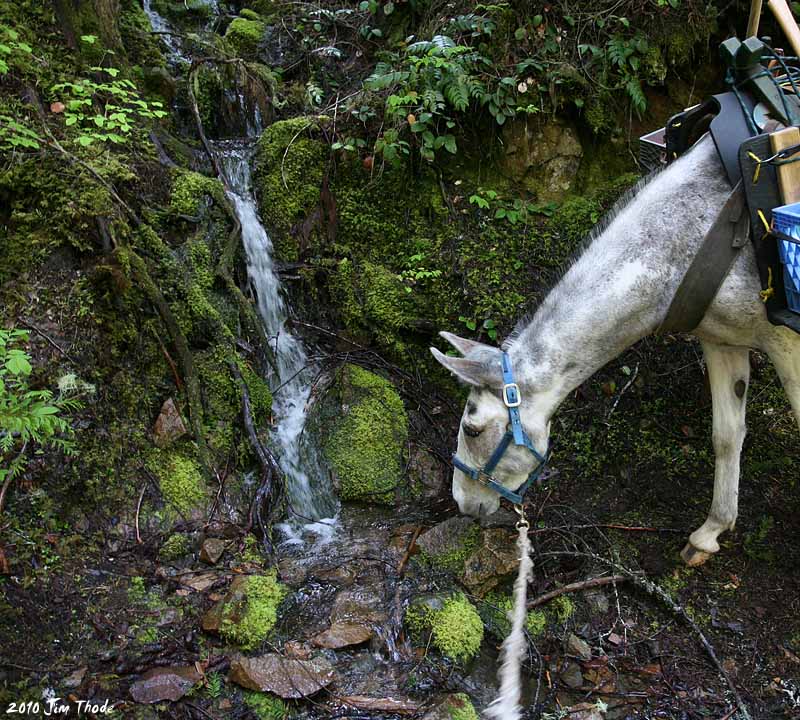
(364, 441)
(191, 191)
(446, 546)
(457, 706)
(453, 625)
(249, 611)
(244, 35)
(180, 480)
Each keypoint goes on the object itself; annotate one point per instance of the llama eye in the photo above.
(471, 431)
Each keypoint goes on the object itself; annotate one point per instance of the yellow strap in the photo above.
(770, 291)
(767, 228)
(758, 161)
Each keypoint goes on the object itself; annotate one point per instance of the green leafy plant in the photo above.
(27, 417)
(104, 111)
(12, 50)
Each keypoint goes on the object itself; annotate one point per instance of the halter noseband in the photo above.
(512, 400)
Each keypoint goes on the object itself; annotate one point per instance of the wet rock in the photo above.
(428, 476)
(448, 544)
(457, 705)
(597, 601)
(572, 676)
(292, 572)
(213, 549)
(579, 647)
(585, 711)
(397, 706)
(285, 677)
(169, 425)
(495, 557)
(165, 683)
(361, 605)
(200, 581)
(342, 634)
(296, 649)
(543, 156)
(74, 679)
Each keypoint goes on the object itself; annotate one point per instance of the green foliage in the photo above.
(755, 541)
(266, 706)
(27, 417)
(214, 684)
(365, 446)
(14, 53)
(433, 84)
(248, 624)
(105, 111)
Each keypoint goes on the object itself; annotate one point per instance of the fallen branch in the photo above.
(657, 591)
(271, 485)
(138, 510)
(402, 566)
(576, 587)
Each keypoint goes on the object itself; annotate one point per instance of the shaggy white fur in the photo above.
(506, 705)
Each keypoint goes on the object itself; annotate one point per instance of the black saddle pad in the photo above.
(761, 190)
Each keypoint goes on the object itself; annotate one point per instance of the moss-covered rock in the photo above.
(244, 36)
(454, 625)
(175, 547)
(179, 479)
(446, 546)
(365, 444)
(494, 611)
(249, 611)
(191, 190)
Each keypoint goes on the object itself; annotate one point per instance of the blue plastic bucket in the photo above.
(786, 222)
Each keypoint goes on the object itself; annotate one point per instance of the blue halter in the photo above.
(512, 400)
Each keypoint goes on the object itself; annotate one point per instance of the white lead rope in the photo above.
(506, 705)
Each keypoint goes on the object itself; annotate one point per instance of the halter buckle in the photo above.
(511, 401)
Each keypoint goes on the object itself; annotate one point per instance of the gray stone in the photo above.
(572, 676)
(544, 156)
(213, 549)
(579, 647)
(164, 683)
(494, 559)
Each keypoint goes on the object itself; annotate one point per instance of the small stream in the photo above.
(311, 500)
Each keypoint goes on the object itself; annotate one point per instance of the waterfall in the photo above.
(309, 495)
(312, 503)
(160, 25)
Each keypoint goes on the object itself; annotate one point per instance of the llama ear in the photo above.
(483, 369)
(463, 345)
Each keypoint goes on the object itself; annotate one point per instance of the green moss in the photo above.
(455, 628)
(147, 636)
(175, 547)
(289, 170)
(576, 217)
(248, 623)
(452, 558)
(494, 611)
(461, 708)
(137, 591)
(248, 14)
(190, 190)
(179, 478)
(366, 444)
(266, 706)
(564, 608)
(244, 36)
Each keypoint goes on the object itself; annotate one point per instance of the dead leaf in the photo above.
(411, 118)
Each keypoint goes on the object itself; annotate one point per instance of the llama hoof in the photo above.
(693, 556)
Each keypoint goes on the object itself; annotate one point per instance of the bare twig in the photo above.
(10, 476)
(575, 587)
(138, 509)
(46, 337)
(402, 566)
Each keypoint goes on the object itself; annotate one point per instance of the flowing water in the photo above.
(312, 504)
(311, 500)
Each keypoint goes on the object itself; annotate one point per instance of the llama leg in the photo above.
(729, 374)
(785, 356)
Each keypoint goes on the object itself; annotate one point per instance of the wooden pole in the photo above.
(787, 22)
(755, 16)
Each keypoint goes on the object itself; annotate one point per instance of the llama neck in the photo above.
(620, 288)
